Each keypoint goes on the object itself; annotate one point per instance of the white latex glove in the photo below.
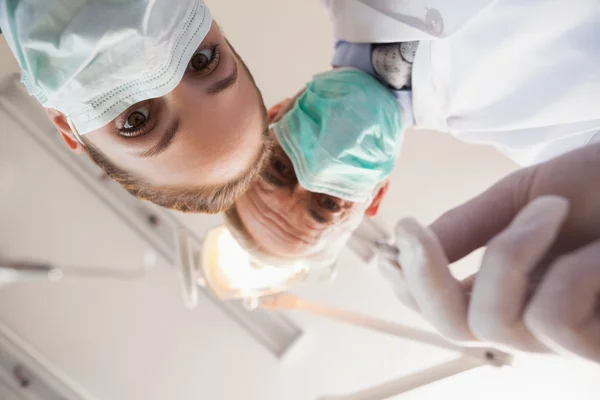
(538, 288)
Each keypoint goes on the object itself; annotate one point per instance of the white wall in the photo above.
(283, 42)
(135, 340)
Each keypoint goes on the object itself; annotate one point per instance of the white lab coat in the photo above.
(522, 75)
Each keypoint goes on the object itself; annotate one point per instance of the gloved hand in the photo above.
(538, 288)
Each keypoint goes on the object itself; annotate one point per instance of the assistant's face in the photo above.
(207, 131)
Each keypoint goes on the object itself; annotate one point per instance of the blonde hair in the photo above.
(206, 199)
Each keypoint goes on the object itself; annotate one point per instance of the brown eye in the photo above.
(135, 120)
(328, 203)
(201, 60)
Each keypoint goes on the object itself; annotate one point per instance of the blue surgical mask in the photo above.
(93, 59)
(342, 135)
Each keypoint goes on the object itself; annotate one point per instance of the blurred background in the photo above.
(123, 340)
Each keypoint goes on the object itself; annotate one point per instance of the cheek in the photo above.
(114, 148)
(353, 214)
(229, 143)
(101, 138)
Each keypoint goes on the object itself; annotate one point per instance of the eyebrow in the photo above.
(225, 83)
(165, 141)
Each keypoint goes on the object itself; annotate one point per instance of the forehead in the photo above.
(123, 65)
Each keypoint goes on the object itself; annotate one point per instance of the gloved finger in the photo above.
(500, 291)
(471, 225)
(392, 272)
(565, 312)
(468, 283)
(438, 295)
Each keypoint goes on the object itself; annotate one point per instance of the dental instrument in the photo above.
(12, 271)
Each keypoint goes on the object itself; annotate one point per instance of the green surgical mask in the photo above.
(342, 135)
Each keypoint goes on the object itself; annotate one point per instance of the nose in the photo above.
(298, 196)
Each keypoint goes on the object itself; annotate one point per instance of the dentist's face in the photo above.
(208, 131)
(287, 221)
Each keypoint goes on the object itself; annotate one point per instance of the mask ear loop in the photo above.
(75, 132)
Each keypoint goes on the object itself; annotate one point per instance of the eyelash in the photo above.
(212, 65)
(216, 58)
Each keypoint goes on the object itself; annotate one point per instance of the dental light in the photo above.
(229, 272)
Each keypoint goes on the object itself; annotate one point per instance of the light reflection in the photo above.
(231, 273)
